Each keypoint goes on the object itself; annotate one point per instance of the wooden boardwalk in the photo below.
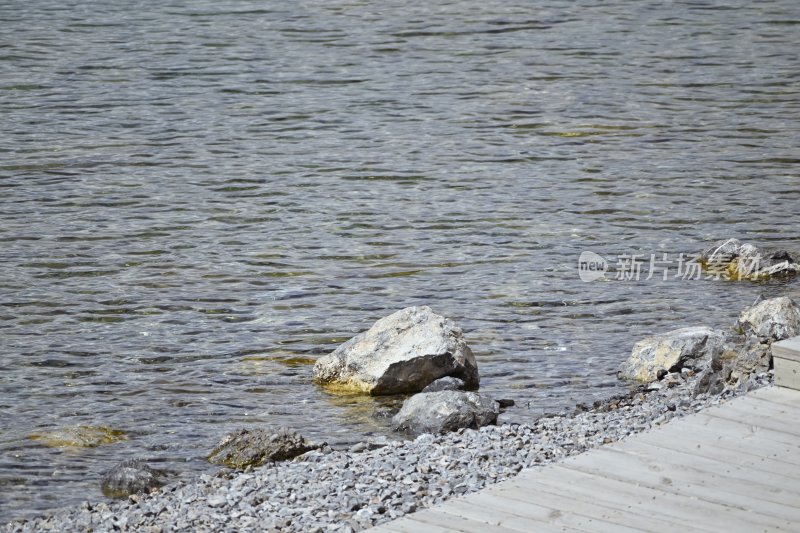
(733, 467)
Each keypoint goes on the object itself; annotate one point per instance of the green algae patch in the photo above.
(345, 388)
(735, 270)
(297, 360)
(79, 437)
(270, 364)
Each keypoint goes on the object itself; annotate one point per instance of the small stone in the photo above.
(129, 478)
(358, 447)
(445, 383)
(216, 500)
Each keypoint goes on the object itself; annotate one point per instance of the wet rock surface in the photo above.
(254, 447)
(401, 353)
(654, 356)
(133, 476)
(734, 260)
(326, 490)
(447, 383)
(443, 411)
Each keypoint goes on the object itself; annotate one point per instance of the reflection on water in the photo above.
(196, 201)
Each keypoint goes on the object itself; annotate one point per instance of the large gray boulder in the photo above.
(735, 260)
(133, 476)
(443, 411)
(669, 352)
(771, 320)
(254, 447)
(401, 353)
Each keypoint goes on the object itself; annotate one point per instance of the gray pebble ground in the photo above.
(375, 482)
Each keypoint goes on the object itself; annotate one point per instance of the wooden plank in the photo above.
(759, 414)
(777, 395)
(620, 482)
(585, 501)
(726, 447)
(481, 507)
(787, 373)
(750, 431)
(718, 490)
(493, 502)
(456, 522)
(738, 448)
(688, 461)
(787, 349)
(404, 525)
(467, 515)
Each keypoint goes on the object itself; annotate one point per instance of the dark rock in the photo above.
(401, 353)
(254, 447)
(505, 402)
(446, 383)
(444, 411)
(129, 477)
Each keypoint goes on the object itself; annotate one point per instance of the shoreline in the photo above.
(349, 490)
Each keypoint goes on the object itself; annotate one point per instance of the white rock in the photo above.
(771, 320)
(401, 353)
(670, 351)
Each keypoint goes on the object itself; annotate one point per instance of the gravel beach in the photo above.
(374, 482)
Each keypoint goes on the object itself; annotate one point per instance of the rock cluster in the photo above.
(734, 260)
(401, 353)
(347, 491)
(719, 359)
(317, 489)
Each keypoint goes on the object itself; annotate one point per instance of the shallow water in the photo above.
(196, 202)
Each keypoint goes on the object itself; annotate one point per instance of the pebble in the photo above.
(369, 484)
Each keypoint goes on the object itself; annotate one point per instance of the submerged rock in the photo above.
(448, 383)
(444, 411)
(771, 320)
(133, 476)
(735, 260)
(401, 353)
(653, 357)
(254, 447)
(79, 436)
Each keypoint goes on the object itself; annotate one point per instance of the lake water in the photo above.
(197, 199)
